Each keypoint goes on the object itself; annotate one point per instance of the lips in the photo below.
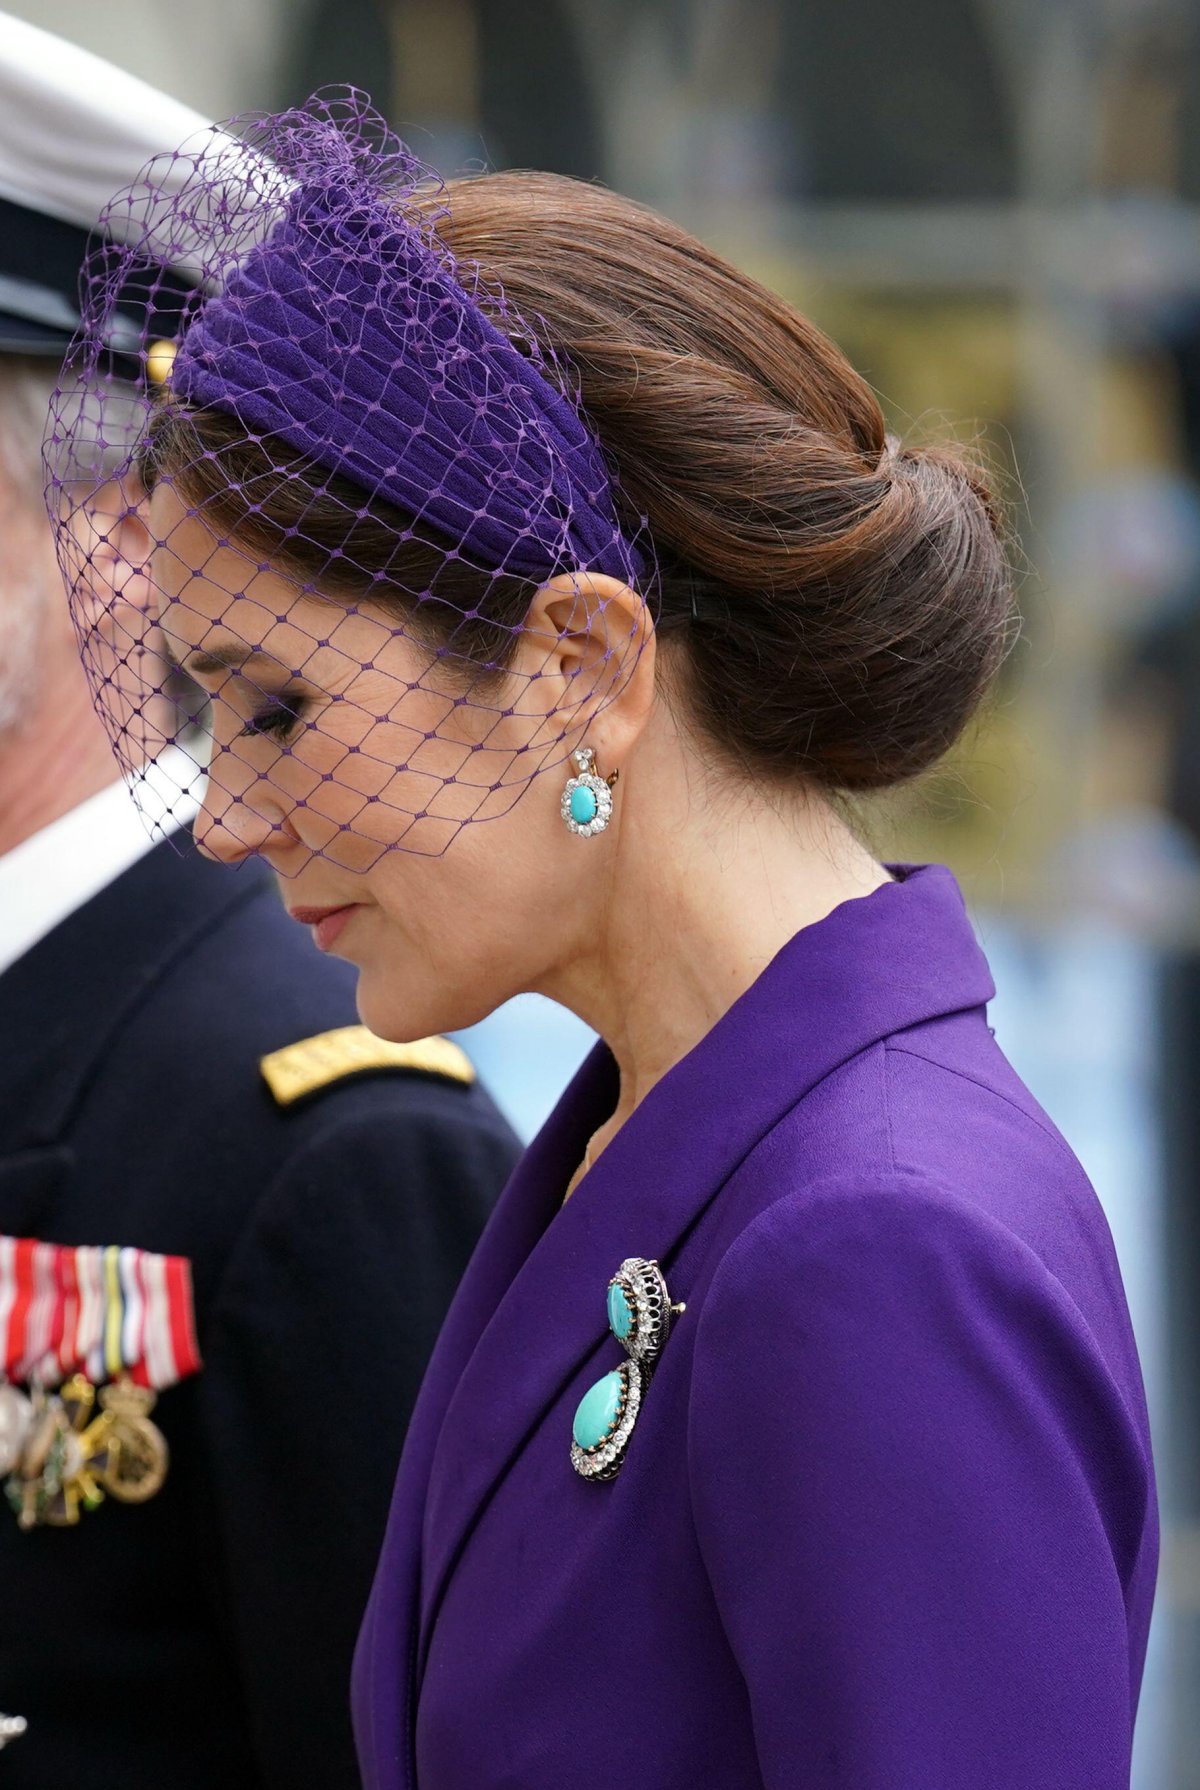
(326, 922)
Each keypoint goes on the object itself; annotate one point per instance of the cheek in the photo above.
(455, 937)
(403, 781)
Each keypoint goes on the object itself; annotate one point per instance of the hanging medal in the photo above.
(640, 1315)
(16, 1415)
(71, 1320)
(60, 1468)
(136, 1449)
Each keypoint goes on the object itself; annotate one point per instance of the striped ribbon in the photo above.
(102, 1312)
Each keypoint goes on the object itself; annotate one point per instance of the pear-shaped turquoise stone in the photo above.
(620, 1318)
(598, 1409)
(583, 805)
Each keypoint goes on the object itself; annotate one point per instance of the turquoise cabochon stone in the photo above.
(583, 805)
(598, 1409)
(620, 1318)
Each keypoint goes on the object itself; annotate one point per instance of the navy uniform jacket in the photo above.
(204, 1638)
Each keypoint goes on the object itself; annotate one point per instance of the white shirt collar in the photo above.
(55, 871)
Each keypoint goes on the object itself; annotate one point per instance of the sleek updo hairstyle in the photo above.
(836, 604)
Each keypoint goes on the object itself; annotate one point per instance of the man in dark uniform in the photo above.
(214, 1185)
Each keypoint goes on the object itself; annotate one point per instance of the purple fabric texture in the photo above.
(887, 1516)
(348, 334)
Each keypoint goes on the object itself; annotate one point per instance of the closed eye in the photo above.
(276, 719)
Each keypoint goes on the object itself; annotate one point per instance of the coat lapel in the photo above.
(532, 1309)
(385, 1660)
(63, 1001)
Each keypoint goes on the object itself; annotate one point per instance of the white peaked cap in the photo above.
(74, 129)
(76, 132)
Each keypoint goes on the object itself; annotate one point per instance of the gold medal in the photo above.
(58, 1468)
(84, 1453)
(94, 1313)
(137, 1456)
(69, 1458)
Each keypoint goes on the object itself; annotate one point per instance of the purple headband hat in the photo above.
(331, 326)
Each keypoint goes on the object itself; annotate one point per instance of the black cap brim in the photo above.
(39, 292)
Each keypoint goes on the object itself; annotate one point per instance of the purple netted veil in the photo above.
(331, 495)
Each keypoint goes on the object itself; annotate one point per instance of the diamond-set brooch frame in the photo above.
(603, 1461)
(646, 1292)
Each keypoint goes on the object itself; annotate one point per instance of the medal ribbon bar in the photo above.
(108, 1313)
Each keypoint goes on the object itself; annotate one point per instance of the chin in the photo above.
(402, 1015)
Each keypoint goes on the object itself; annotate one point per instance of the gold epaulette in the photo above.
(300, 1069)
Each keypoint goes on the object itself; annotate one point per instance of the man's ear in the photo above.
(128, 549)
(107, 561)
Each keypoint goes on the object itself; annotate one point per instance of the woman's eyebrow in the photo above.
(227, 657)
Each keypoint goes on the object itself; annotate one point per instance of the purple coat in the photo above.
(887, 1516)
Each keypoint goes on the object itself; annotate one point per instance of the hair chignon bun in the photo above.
(844, 601)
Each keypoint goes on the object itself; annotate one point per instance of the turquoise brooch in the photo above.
(639, 1315)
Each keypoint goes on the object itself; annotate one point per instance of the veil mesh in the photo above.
(301, 540)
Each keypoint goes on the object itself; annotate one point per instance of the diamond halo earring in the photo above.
(587, 801)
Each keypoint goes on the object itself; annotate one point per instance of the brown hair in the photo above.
(842, 601)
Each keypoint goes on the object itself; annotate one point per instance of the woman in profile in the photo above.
(553, 585)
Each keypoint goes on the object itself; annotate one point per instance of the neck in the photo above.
(691, 911)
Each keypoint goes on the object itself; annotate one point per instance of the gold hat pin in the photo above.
(160, 358)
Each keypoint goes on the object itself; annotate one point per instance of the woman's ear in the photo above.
(590, 641)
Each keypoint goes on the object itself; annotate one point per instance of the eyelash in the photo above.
(274, 721)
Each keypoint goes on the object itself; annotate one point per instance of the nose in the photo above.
(229, 832)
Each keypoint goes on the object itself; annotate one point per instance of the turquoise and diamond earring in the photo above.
(639, 1315)
(587, 797)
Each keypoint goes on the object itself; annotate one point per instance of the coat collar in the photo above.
(531, 1308)
(64, 998)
